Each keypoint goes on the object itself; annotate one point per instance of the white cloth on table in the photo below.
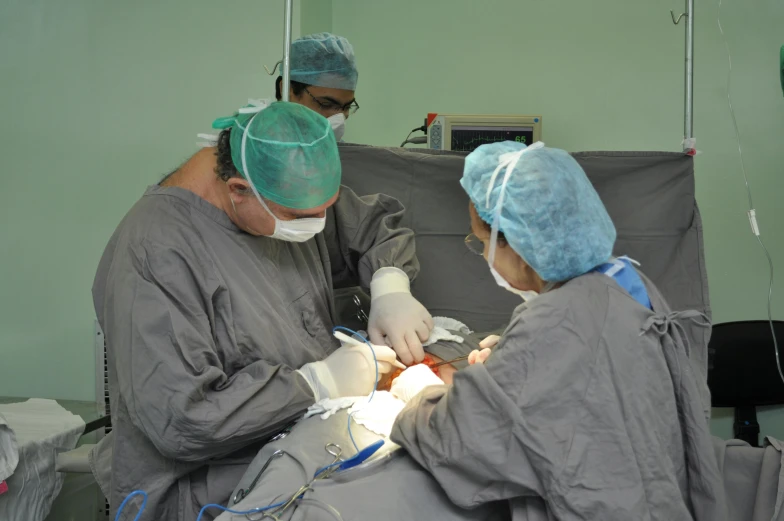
(329, 406)
(442, 328)
(42, 428)
(376, 415)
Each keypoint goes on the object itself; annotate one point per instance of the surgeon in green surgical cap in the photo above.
(215, 296)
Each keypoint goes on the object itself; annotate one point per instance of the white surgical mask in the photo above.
(338, 124)
(527, 296)
(298, 230)
(509, 161)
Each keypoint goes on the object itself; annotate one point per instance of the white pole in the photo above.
(689, 109)
(284, 88)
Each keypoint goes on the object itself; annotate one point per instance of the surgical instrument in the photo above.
(334, 450)
(337, 465)
(445, 362)
(353, 342)
(361, 315)
(357, 459)
(243, 493)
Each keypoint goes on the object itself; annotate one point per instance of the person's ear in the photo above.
(238, 189)
(278, 83)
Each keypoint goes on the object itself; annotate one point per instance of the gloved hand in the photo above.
(412, 381)
(479, 357)
(397, 315)
(349, 371)
(489, 342)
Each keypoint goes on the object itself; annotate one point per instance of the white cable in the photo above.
(752, 213)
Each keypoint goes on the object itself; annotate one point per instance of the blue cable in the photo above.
(239, 512)
(125, 501)
(326, 467)
(262, 509)
(373, 392)
(350, 435)
(201, 513)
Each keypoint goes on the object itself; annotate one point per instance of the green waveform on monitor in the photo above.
(468, 142)
(481, 140)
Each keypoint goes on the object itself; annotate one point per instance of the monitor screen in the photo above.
(467, 138)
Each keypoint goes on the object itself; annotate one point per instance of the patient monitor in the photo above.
(464, 133)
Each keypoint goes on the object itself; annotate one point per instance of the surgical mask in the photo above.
(527, 296)
(338, 124)
(298, 230)
(510, 162)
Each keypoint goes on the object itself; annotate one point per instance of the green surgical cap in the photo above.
(324, 60)
(290, 151)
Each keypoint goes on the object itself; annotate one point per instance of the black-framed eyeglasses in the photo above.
(330, 105)
(474, 245)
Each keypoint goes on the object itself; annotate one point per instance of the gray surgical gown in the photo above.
(205, 326)
(587, 409)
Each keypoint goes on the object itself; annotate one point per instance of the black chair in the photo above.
(742, 372)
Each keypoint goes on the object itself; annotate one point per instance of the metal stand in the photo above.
(689, 146)
(287, 14)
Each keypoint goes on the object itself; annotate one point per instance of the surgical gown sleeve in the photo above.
(170, 371)
(503, 429)
(364, 234)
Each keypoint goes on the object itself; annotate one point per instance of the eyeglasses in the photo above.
(473, 243)
(330, 105)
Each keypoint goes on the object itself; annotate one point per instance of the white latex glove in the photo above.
(349, 371)
(412, 381)
(479, 357)
(396, 317)
(489, 342)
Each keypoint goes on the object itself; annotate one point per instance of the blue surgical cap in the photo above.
(551, 215)
(324, 60)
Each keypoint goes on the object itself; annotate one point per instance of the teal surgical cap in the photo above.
(324, 60)
(551, 215)
(290, 152)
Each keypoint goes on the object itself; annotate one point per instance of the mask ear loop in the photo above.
(510, 161)
(497, 213)
(245, 170)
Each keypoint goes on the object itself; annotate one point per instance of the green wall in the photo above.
(99, 99)
(316, 16)
(605, 75)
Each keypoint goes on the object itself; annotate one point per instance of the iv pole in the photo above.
(689, 145)
(287, 10)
